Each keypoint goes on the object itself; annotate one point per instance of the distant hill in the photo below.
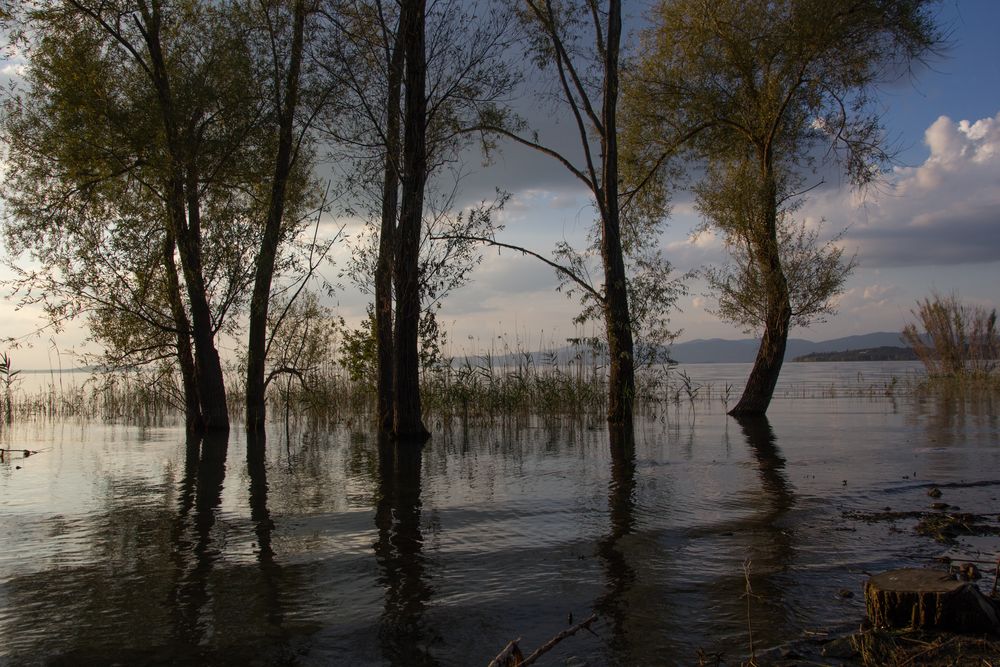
(884, 353)
(718, 350)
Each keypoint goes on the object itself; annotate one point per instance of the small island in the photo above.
(884, 353)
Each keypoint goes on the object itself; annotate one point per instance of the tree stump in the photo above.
(928, 600)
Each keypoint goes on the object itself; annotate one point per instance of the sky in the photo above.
(932, 224)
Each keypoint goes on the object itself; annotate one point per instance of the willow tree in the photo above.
(465, 76)
(282, 52)
(580, 44)
(135, 167)
(815, 271)
(770, 90)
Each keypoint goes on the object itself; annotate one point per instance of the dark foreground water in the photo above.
(126, 545)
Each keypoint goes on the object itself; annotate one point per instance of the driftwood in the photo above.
(511, 655)
(928, 600)
(9, 453)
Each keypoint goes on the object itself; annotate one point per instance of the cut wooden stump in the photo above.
(928, 600)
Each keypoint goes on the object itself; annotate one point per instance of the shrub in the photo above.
(957, 340)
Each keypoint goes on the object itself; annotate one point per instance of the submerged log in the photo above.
(928, 600)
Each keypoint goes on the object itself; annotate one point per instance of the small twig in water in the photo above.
(748, 594)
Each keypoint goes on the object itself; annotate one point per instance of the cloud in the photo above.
(945, 211)
(696, 251)
(13, 70)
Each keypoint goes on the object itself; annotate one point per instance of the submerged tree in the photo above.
(554, 31)
(767, 90)
(134, 158)
(464, 76)
(281, 54)
(580, 44)
(144, 145)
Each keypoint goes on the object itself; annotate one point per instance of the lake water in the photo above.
(125, 545)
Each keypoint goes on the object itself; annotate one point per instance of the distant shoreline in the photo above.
(883, 353)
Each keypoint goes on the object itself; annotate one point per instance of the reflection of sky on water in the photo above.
(321, 551)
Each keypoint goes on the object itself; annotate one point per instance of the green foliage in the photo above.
(89, 171)
(90, 168)
(778, 77)
(761, 93)
(815, 271)
(954, 339)
(358, 351)
(653, 291)
(9, 379)
(301, 332)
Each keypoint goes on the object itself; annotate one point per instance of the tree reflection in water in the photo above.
(260, 515)
(773, 550)
(770, 463)
(194, 552)
(619, 574)
(399, 554)
(667, 582)
(204, 596)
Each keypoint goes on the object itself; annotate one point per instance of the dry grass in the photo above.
(958, 340)
(902, 649)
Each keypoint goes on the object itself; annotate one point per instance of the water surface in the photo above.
(134, 545)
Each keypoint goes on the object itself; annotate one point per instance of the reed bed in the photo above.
(506, 383)
(129, 397)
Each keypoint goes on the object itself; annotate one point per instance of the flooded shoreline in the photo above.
(131, 544)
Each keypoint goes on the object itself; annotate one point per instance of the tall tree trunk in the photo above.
(407, 421)
(621, 380)
(268, 252)
(767, 366)
(386, 243)
(185, 359)
(211, 389)
(211, 384)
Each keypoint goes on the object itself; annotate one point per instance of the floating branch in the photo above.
(511, 655)
(25, 453)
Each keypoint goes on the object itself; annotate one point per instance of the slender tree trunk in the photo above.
(407, 421)
(211, 385)
(621, 380)
(268, 252)
(211, 389)
(387, 234)
(767, 366)
(185, 358)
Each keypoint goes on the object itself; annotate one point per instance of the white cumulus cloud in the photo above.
(945, 211)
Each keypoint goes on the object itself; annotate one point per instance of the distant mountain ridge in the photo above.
(719, 350)
(707, 350)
